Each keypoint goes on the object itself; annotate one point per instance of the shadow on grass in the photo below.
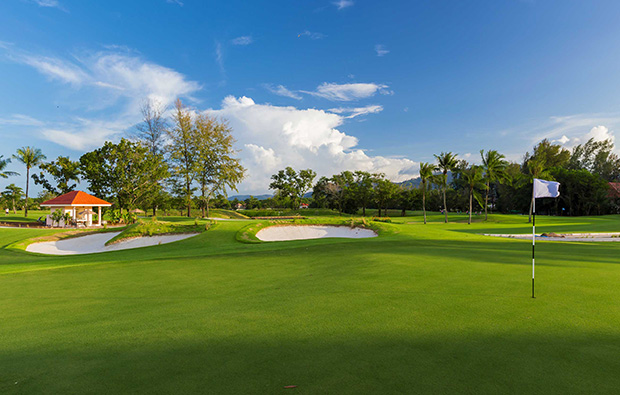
(170, 364)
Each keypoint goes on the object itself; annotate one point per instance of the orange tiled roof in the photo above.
(614, 189)
(76, 198)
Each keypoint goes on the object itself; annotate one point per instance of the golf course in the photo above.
(435, 308)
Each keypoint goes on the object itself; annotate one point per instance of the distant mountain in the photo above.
(415, 182)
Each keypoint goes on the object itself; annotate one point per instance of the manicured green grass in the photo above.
(424, 309)
(33, 215)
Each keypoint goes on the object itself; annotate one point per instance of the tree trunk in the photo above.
(529, 221)
(403, 213)
(486, 201)
(424, 205)
(363, 211)
(154, 210)
(208, 198)
(445, 207)
(471, 194)
(27, 185)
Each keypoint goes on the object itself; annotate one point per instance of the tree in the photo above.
(63, 171)
(536, 168)
(474, 178)
(152, 130)
(3, 164)
(343, 192)
(289, 183)
(216, 165)
(385, 190)
(550, 155)
(494, 167)
(426, 175)
(363, 188)
(446, 161)
(12, 193)
(183, 154)
(30, 157)
(598, 158)
(127, 170)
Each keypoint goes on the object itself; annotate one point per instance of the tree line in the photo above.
(161, 163)
(187, 160)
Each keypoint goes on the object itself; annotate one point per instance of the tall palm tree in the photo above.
(446, 162)
(426, 176)
(474, 179)
(536, 168)
(29, 156)
(3, 164)
(494, 166)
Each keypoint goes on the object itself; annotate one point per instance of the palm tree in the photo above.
(474, 179)
(426, 175)
(12, 193)
(446, 161)
(29, 156)
(536, 168)
(494, 166)
(3, 164)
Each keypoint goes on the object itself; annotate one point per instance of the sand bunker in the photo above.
(95, 243)
(565, 236)
(296, 232)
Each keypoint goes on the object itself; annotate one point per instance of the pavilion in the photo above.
(79, 205)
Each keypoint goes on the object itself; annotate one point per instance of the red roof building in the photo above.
(78, 205)
(614, 190)
(76, 198)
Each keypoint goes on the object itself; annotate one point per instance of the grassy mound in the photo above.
(144, 228)
(226, 214)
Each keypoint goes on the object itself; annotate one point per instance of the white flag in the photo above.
(544, 188)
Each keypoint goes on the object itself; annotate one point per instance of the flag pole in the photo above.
(533, 239)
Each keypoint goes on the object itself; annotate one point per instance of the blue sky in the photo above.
(330, 85)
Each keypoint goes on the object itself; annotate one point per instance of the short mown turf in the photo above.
(424, 309)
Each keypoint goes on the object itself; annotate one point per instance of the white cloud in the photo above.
(381, 50)
(341, 4)
(219, 57)
(281, 90)
(348, 92)
(312, 35)
(84, 134)
(55, 68)
(21, 120)
(177, 2)
(117, 82)
(357, 111)
(273, 137)
(243, 40)
(47, 3)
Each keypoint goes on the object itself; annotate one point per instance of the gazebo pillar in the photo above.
(99, 216)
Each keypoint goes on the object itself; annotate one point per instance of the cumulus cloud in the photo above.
(243, 40)
(342, 4)
(357, 111)
(348, 92)
(281, 90)
(272, 137)
(381, 50)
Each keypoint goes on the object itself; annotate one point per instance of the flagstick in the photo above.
(533, 241)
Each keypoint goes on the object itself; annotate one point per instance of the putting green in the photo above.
(422, 309)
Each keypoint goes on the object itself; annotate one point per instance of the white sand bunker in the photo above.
(615, 236)
(304, 232)
(95, 243)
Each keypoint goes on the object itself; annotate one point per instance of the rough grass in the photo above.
(157, 228)
(430, 309)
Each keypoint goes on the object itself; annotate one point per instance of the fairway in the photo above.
(434, 308)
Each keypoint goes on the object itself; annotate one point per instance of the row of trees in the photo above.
(451, 184)
(163, 161)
